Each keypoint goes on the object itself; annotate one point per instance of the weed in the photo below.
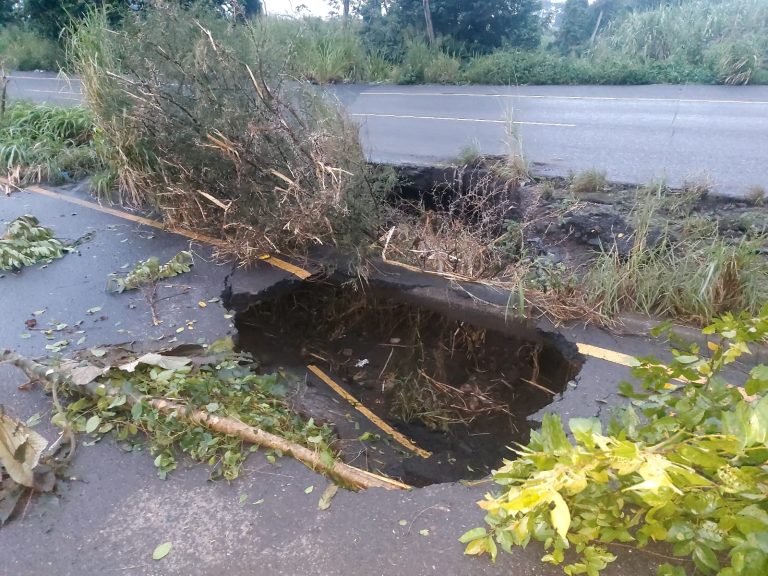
(469, 154)
(699, 228)
(588, 181)
(683, 202)
(547, 190)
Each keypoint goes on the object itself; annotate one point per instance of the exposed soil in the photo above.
(566, 222)
(459, 391)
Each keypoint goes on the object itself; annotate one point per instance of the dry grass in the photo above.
(202, 127)
(588, 181)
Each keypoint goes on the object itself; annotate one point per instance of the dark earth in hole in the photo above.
(370, 341)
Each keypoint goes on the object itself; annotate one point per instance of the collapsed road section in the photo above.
(412, 392)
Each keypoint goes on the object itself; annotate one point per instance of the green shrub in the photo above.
(424, 63)
(682, 467)
(22, 49)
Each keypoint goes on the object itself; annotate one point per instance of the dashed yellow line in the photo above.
(608, 355)
(386, 428)
(272, 260)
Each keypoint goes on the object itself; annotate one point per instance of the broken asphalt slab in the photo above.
(115, 510)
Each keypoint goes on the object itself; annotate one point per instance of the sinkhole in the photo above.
(419, 390)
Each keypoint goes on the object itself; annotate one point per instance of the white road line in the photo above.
(450, 118)
(39, 78)
(553, 97)
(55, 92)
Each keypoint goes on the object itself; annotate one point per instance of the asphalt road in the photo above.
(113, 511)
(634, 133)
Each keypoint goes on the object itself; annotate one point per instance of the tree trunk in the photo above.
(597, 27)
(346, 9)
(428, 20)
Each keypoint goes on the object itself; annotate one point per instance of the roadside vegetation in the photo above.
(46, 143)
(296, 178)
(604, 42)
(678, 474)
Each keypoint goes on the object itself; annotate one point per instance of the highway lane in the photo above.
(635, 133)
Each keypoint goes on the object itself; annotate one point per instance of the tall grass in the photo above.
(727, 37)
(696, 278)
(41, 142)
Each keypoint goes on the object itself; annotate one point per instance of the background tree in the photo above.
(577, 27)
(477, 26)
(7, 12)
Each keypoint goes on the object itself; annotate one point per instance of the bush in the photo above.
(205, 129)
(424, 63)
(22, 49)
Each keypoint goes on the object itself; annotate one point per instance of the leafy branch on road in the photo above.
(26, 242)
(146, 275)
(682, 467)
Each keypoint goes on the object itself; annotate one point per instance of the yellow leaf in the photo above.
(713, 347)
(560, 515)
(202, 304)
(477, 547)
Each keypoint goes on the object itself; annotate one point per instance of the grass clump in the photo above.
(588, 181)
(756, 195)
(41, 142)
(695, 278)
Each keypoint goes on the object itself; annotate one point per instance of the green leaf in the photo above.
(552, 434)
(162, 551)
(309, 489)
(584, 429)
(473, 534)
(705, 558)
(92, 423)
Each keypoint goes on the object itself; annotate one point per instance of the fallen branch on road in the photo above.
(347, 475)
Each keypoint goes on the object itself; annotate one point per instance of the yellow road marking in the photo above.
(272, 260)
(555, 97)
(450, 118)
(608, 355)
(386, 428)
